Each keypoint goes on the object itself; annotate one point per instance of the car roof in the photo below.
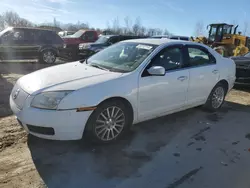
(179, 36)
(32, 28)
(161, 41)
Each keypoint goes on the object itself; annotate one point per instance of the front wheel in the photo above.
(48, 57)
(108, 122)
(216, 98)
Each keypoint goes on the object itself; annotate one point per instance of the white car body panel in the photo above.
(167, 92)
(56, 80)
(150, 97)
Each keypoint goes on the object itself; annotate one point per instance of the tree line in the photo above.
(129, 27)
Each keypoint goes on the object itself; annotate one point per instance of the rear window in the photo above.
(48, 37)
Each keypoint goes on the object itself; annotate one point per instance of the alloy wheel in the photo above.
(218, 97)
(49, 57)
(110, 123)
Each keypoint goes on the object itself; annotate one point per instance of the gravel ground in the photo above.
(192, 149)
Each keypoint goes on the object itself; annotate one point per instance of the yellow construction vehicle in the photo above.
(223, 38)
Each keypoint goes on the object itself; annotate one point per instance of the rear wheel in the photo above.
(216, 98)
(108, 122)
(48, 57)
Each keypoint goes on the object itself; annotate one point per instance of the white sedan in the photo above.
(124, 84)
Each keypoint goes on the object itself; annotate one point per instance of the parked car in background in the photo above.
(88, 49)
(174, 37)
(124, 84)
(70, 48)
(159, 36)
(65, 33)
(242, 69)
(21, 43)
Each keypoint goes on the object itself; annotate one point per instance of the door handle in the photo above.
(182, 78)
(215, 71)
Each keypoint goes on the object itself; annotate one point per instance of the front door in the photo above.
(160, 94)
(7, 46)
(204, 74)
(26, 47)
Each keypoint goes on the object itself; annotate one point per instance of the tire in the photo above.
(47, 56)
(213, 104)
(102, 129)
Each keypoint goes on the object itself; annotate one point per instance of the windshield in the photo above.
(78, 34)
(227, 29)
(5, 30)
(70, 33)
(102, 39)
(212, 33)
(122, 57)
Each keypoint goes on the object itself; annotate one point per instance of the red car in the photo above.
(71, 43)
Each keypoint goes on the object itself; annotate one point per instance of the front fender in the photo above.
(124, 87)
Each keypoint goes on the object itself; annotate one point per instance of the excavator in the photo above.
(223, 38)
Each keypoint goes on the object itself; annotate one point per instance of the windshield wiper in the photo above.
(98, 66)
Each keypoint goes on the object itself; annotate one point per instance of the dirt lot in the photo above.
(192, 149)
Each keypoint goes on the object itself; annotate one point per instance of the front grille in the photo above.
(41, 130)
(19, 96)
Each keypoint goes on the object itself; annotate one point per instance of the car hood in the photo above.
(69, 76)
(241, 61)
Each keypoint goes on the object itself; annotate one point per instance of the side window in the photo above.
(8, 36)
(169, 58)
(15, 36)
(89, 36)
(44, 37)
(29, 36)
(56, 38)
(114, 40)
(18, 35)
(200, 57)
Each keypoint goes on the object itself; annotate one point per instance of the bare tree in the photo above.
(1, 22)
(128, 24)
(199, 29)
(11, 18)
(137, 25)
(166, 32)
(245, 28)
(142, 31)
(116, 26)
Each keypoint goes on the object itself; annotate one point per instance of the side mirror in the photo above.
(156, 71)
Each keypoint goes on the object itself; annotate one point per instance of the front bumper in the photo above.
(69, 53)
(66, 124)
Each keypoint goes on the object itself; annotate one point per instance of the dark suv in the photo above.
(88, 49)
(17, 43)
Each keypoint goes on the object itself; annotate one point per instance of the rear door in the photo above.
(29, 47)
(204, 73)
(16, 44)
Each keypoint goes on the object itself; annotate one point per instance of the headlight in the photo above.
(81, 46)
(84, 46)
(49, 100)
